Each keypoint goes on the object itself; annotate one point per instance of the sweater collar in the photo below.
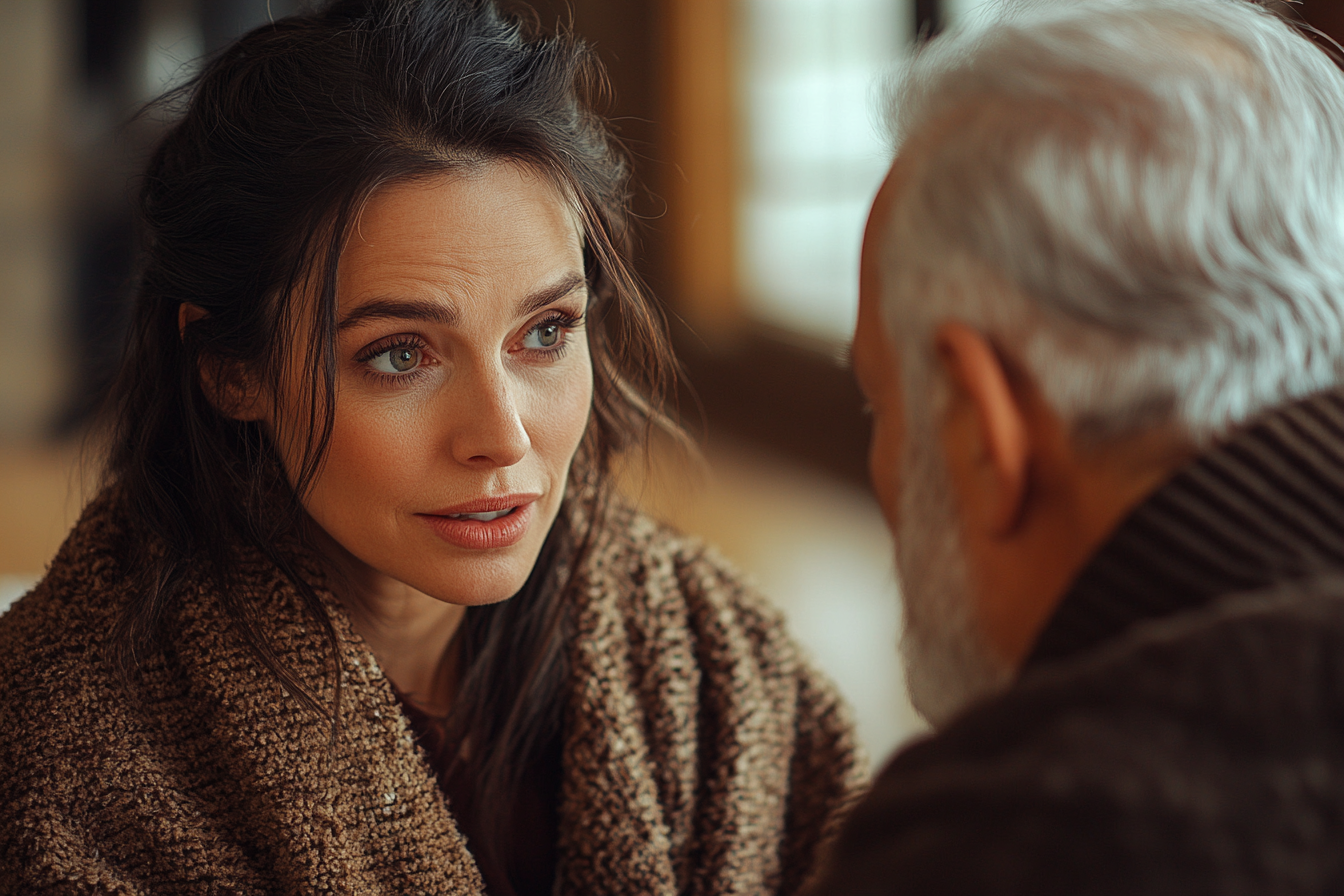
(1264, 507)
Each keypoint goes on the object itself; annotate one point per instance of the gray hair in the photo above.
(1139, 201)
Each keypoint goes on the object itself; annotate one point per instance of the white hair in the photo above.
(1139, 201)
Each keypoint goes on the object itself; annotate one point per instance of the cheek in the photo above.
(884, 466)
(558, 412)
(381, 452)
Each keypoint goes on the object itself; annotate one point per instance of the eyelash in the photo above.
(391, 344)
(566, 322)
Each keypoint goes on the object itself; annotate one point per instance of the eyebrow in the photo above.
(554, 293)
(446, 315)
(390, 309)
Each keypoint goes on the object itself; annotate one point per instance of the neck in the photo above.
(409, 632)
(1079, 497)
(411, 635)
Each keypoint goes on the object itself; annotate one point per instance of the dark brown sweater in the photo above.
(1179, 728)
(700, 753)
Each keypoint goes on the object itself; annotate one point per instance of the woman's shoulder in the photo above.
(54, 639)
(58, 699)
(45, 632)
(61, 707)
(679, 660)
(658, 579)
(640, 550)
(81, 591)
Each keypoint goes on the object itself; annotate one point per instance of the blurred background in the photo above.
(757, 144)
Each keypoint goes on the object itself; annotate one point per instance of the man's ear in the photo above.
(225, 385)
(988, 438)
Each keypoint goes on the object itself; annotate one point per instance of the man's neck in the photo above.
(1262, 508)
(1080, 494)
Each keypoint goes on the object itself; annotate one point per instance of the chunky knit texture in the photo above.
(1177, 729)
(701, 754)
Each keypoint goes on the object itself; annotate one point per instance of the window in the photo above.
(813, 153)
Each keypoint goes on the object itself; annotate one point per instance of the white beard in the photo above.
(948, 664)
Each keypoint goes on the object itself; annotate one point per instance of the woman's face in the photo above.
(463, 385)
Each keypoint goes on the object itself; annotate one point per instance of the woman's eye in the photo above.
(401, 359)
(543, 336)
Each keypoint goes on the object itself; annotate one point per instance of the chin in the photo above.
(474, 584)
(948, 670)
(948, 663)
(449, 574)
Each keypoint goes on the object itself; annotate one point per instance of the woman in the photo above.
(357, 611)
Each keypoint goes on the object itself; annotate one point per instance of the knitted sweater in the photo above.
(700, 753)
(1177, 729)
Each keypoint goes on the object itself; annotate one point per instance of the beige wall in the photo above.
(34, 359)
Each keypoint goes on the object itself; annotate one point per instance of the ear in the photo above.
(987, 437)
(188, 313)
(225, 385)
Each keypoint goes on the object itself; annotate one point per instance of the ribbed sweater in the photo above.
(701, 754)
(1177, 728)
(1265, 508)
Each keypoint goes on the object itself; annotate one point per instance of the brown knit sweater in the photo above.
(701, 754)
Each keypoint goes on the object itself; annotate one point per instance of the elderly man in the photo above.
(1101, 331)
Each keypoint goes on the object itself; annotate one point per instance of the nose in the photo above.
(488, 430)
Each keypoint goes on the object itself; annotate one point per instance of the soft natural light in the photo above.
(815, 153)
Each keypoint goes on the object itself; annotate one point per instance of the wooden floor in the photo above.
(815, 546)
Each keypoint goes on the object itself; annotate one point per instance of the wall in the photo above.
(34, 358)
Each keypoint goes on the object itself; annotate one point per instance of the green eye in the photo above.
(402, 359)
(544, 335)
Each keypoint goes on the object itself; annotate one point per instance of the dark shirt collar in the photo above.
(1264, 507)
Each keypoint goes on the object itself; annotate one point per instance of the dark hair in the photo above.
(248, 198)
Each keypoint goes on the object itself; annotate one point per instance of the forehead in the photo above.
(872, 351)
(465, 239)
(498, 205)
(880, 232)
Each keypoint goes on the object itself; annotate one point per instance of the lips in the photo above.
(484, 524)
